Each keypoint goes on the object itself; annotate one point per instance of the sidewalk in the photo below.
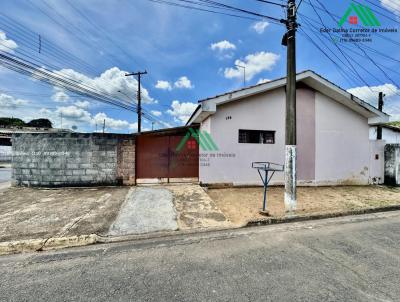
(34, 219)
(31, 213)
(242, 205)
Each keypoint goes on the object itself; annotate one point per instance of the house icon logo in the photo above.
(356, 13)
(193, 137)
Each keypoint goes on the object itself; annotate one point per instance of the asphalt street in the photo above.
(342, 259)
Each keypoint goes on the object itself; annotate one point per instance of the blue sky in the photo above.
(189, 55)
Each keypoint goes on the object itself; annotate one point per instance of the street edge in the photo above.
(37, 245)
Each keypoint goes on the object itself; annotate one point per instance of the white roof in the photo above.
(208, 106)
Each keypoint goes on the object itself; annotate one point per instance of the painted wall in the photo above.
(342, 144)
(390, 136)
(333, 144)
(231, 164)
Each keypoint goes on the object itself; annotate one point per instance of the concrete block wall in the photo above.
(392, 164)
(73, 159)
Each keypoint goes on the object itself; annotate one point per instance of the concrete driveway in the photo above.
(167, 208)
(145, 210)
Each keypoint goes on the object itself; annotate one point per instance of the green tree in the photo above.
(11, 122)
(40, 123)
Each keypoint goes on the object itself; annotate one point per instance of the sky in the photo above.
(189, 55)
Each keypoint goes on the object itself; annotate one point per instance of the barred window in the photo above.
(256, 137)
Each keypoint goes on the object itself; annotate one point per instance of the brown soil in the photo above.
(243, 204)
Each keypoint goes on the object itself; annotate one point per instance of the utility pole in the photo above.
(289, 40)
(380, 108)
(244, 74)
(104, 125)
(139, 97)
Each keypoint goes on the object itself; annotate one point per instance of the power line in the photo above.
(24, 34)
(202, 9)
(270, 2)
(244, 11)
(340, 50)
(218, 6)
(378, 12)
(378, 34)
(369, 58)
(66, 28)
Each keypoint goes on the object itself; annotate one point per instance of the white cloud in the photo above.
(224, 49)
(164, 85)
(115, 124)
(369, 96)
(260, 27)
(82, 104)
(70, 115)
(112, 81)
(60, 95)
(261, 81)
(8, 101)
(74, 113)
(156, 113)
(183, 82)
(7, 45)
(223, 45)
(181, 111)
(254, 63)
(392, 5)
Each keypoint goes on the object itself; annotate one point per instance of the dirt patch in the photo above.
(195, 208)
(243, 204)
(31, 213)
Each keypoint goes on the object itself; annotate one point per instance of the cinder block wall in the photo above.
(73, 159)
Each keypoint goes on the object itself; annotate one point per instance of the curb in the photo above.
(133, 237)
(36, 245)
(298, 218)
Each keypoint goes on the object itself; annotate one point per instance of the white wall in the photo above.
(342, 144)
(377, 161)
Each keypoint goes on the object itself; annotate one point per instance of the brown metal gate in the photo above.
(157, 155)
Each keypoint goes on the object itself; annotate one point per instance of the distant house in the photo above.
(390, 134)
(333, 126)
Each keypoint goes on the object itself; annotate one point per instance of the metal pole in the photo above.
(244, 74)
(265, 191)
(290, 148)
(380, 108)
